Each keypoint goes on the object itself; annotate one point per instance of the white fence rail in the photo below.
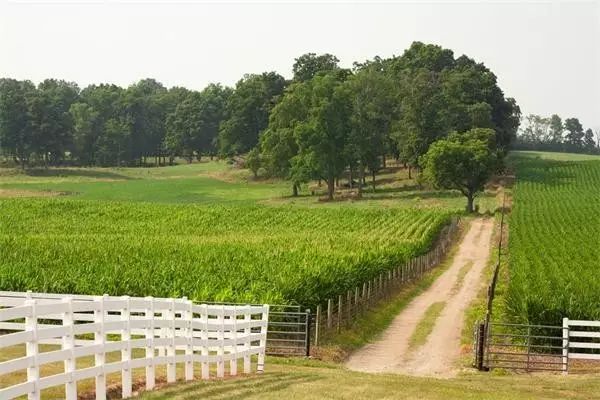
(581, 340)
(167, 332)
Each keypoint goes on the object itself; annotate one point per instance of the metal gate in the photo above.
(521, 347)
(289, 330)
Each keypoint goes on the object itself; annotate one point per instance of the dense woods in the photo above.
(325, 121)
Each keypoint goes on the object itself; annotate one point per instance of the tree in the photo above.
(537, 130)
(16, 134)
(589, 142)
(253, 161)
(575, 133)
(51, 121)
(462, 161)
(96, 105)
(556, 129)
(308, 65)
(248, 111)
(372, 103)
(278, 145)
(322, 136)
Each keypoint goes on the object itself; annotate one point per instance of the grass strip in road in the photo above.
(461, 277)
(425, 326)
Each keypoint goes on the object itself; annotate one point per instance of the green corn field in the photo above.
(554, 240)
(245, 253)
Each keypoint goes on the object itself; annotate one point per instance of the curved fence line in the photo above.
(168, 331)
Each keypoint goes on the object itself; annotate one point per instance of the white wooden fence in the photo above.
(168, 331)
(586, 343)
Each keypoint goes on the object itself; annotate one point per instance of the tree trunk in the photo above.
(409, 175)
(319, 182)
(351, 178)
(361, 179)
(330, 187)
(294, 189)
(373, 181)
(470, 199)
(384, 160)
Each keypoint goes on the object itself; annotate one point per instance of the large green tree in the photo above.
(248, 111)
(322, 136)
(279, 149)
(372, 107)
(575, 132)
(463, 162)
(16, 132)
(51, 121)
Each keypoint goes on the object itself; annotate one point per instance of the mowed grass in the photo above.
(206, 182)
(554, 240)
(314, 380)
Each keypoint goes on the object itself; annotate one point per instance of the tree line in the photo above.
(554, 134)
(325, 121)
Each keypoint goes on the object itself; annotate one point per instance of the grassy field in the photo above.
(313, 380)
(554, 240)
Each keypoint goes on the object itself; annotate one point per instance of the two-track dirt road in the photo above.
(439, 355)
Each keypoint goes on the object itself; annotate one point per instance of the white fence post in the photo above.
(204, 338)
(99, 340)
(220, 338)
(233, 334)
(565, 345)
(150, 351)
(189, 336)
(126, 352)
(68, 343)
(33, 372)
(171, 370)
(247, 331)
(260, 368)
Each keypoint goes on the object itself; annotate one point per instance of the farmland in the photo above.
(554, 240)
(225, 247)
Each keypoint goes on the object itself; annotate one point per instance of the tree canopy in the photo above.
(325, 122)
(462, 161)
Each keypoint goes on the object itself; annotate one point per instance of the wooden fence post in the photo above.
(356, 300)
(150, 351)
(32, 350)
(329, 313)
(317, 324)
(126, 352)
(349, 306)
(339, 313)
(68, 343)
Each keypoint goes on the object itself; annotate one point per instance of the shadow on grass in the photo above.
(233, 387)
(76, 172)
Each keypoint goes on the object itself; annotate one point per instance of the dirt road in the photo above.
(457, 287)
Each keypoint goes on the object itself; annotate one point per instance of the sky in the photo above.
(546, 54)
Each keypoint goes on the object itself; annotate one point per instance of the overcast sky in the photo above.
(546, 54)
